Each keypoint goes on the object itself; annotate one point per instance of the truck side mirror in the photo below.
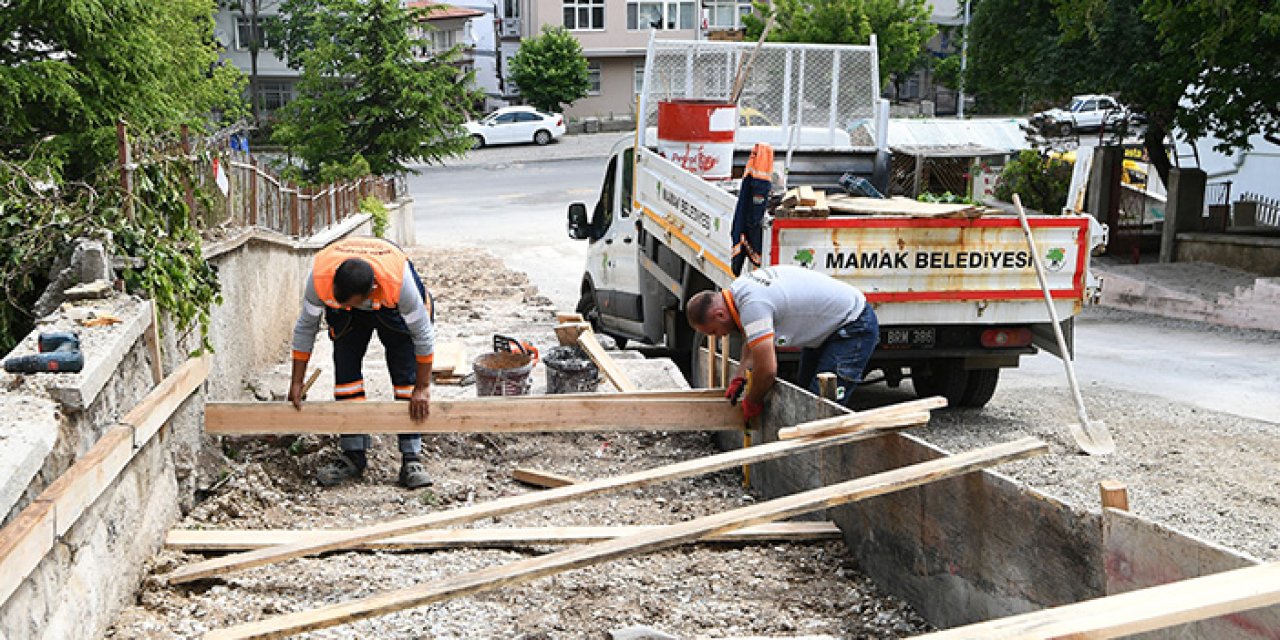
(579, 228)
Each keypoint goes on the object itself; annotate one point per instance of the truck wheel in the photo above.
(587, 307)
(981, 386)
(946, 378)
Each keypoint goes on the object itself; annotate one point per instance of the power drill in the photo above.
(59, 353)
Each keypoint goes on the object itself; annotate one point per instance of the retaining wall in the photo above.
(66, 576)
(983, 545)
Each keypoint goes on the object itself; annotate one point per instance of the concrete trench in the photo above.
(934, 547)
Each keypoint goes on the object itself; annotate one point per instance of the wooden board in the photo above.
(808, 197)
(838, 423)
(1137, 611)
(567, 316)
(23, 544)
(77, 488)
(647, 542)
(158, 406)
(197, 540)
(542, 479)
(900, 206)
(608, 366)
(568, 333)
(697, 466)
(523, 414)
(449, 357)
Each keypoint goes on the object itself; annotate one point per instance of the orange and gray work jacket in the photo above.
(395, 288)
(791, 306)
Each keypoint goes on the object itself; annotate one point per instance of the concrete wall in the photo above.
(1247, 253)
(617, 90)
(95, 567)
(985, 546)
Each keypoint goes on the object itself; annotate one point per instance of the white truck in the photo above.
(957, 297)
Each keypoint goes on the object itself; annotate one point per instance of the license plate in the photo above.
(909, 338)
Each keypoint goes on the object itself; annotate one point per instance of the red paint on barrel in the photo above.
(698, 135)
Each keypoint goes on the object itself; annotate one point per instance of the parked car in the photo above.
(1085, 113)
(514, 125)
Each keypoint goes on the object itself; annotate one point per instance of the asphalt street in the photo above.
(513, 201)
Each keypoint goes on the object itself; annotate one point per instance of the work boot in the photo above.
(412, 474)
(350, 466)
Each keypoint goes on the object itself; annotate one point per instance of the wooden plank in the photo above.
(836, 424)
(647, 394)
(449, 357)
(542, 479)
(203, 540)
(565, 316)
(808, 197)
(76, 489)
(158, 406)
(568, 333)
(154, 353)
(524, 414)
(1148, 609)
(510, 504)
(609, 367)
(665, 537)
(899, 206)
(1114, 495)
(24, 542)
(724, 362)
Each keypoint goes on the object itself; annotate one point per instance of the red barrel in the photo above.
(698, 135)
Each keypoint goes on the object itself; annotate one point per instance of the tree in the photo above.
(67, 75)
(363, 93)
(259, 26)
(1041, 181)
(901, 27)
(550, 69)
(1015, 58)
(947, 72)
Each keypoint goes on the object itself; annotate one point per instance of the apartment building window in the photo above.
(637, 76)
(659, 15)
(244, 32)
(511, 8)
(726, 14)
(584, 15)
(273, 95)
(593, 77)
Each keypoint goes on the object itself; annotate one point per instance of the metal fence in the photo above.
(1266, 211)
(831, 88)
(252, 195)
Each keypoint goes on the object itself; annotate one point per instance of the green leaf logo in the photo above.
(1055, 258)
(804, 257)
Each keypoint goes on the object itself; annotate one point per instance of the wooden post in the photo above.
(1114, 495)
(297, 208)
(126, 170)
(187, 191)
(724, 361)
(709, 376)
(253, 192)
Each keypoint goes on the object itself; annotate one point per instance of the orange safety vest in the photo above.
(387, 260)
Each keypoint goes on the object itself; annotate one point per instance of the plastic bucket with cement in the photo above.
(503, 374)
(698, 135)
(570, 370)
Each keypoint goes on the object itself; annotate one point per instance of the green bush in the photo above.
(378, 211)
(1041, 181)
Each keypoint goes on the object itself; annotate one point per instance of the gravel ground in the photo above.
(695, 591)
(1207, 473)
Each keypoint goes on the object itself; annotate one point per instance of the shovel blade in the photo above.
(1093, 438)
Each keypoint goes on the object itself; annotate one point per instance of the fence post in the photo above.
(253, 191)
(297, 210)
(126, 171)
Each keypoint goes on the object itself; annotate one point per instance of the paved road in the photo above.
(512, 201)
(515, 209)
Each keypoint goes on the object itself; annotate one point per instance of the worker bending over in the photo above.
(363, 285)
(791, 307)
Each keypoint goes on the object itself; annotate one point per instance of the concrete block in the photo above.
(640, 632)
(28, 431)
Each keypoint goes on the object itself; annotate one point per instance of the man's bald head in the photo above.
(708, 313)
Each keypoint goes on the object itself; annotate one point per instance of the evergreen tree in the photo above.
(363, 93)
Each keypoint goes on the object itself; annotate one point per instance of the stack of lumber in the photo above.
(899, 206)
(803, 202)
(450, 360)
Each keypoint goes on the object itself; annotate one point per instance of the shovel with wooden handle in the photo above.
(1092, 437)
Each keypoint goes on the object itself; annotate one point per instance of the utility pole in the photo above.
(964, 59)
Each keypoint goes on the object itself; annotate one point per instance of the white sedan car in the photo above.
(510, 125)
